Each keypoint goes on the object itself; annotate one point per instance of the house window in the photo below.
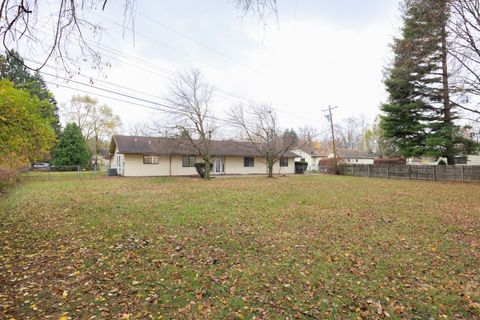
(283, 162)
(248, 161)
(302, 159)
(460, 160)
(150, 159)
(188, 161)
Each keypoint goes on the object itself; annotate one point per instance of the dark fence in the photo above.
(413, 172)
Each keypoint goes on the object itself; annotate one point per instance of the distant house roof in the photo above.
(178, 146)
(315, 152)
(355, 154)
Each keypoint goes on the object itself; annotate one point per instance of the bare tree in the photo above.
(262, 8)
(377, 143)
(153, 128)
(97, 122)
(139, 129)
(23, 24)
(350, 133)
(307, 136)
(190, 96)
(259, 124)
(464, 29)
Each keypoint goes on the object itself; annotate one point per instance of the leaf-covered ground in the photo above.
(240, 248)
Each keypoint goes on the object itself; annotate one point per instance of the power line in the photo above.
(160, 68)
(162, 105)
(223, 96)
(156, 105)
(171, 48)
(180, 33)
(220, 92)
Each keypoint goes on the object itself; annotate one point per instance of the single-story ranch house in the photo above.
(134, 156)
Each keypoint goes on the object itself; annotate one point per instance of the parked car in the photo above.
(41, 166)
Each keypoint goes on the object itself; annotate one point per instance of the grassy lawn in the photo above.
(239, 248)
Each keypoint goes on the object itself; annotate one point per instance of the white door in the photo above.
(218, 166)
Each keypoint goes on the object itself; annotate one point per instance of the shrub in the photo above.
(442, 162)
(200, 166)
(7, 179)
(301, 167)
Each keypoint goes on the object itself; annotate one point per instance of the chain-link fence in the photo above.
(47, 172)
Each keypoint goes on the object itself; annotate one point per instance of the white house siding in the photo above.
(308, 158)
(359, 161)
(473, 160)
(234, 165)
(312, 160)
(131, 165)
(117, 162)
(284, 170)
(315, 162)
(178, 170)
(134, 166)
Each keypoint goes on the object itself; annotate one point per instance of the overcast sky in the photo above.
(318, 53)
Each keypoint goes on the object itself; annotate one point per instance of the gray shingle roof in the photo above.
(354, 154)
(178, 146)
(315, 151)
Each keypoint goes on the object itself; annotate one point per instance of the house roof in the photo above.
(178, 146)
(315, 152)
(354, 154)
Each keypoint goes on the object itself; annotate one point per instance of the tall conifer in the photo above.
(419, 115)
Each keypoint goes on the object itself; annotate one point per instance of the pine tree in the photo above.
(419, 116)
(72, 149)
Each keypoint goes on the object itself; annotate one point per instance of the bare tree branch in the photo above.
(190, 96)
(259, 124)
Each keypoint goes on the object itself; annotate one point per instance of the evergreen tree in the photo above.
(419, 116)
(290, 136)
(72, 149)
(12, 68)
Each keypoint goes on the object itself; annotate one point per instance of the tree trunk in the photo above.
(97, 150)
(447, 112)
(207, 170)
(270, 169)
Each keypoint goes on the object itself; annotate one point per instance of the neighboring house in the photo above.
(151, 156)
(310, 155)
(470, 160)
(473, 160)
(353, 157)
(103, 158)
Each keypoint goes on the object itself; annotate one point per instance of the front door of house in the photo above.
(218, 166)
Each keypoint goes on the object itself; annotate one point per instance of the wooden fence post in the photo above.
(388, 171)
(369, 166)
(434, 174)
(409, 173)
(463, 173)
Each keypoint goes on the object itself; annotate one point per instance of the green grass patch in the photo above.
(292, 247)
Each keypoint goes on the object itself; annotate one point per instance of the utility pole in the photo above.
(329, 116)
